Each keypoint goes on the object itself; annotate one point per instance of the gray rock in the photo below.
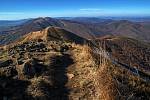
(6, 63)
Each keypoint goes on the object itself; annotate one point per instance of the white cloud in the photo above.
(90, 9)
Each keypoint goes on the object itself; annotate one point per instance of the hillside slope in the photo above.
(51, 70)
(130, 52)
(53, 34)
(55, 68)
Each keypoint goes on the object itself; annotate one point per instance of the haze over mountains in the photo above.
(5, 23)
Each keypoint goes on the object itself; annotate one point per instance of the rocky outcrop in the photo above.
(33, 68)
(6, 63)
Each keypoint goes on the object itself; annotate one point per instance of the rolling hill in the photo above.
(53, 34)
(16, 32)
(55, 64)
(85, 28)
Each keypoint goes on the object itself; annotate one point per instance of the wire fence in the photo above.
(99, 47)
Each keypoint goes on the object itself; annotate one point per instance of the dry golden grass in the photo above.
(106, 84)
(96, 81)
(87, 79)
(129, 86)
(36, 89)
(84, 71)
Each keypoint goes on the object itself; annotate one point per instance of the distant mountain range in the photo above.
(84, 27)
(12, 22)
(99, 19)
(15, 32)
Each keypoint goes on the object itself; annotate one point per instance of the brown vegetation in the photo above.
(61, 70)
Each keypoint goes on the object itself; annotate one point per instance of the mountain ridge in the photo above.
(136, 30)
(52, 33)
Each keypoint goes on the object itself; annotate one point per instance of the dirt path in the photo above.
(59, 76)
(81, 76)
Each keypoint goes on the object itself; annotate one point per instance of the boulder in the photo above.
(20, 62)
(64, 48)
(8, 71)
(6, 63)
(32, 68)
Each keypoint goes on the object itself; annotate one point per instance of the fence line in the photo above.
(104, 56)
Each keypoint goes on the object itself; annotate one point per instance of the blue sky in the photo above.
(20, 9)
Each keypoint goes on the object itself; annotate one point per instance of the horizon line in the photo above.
(144, 16)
